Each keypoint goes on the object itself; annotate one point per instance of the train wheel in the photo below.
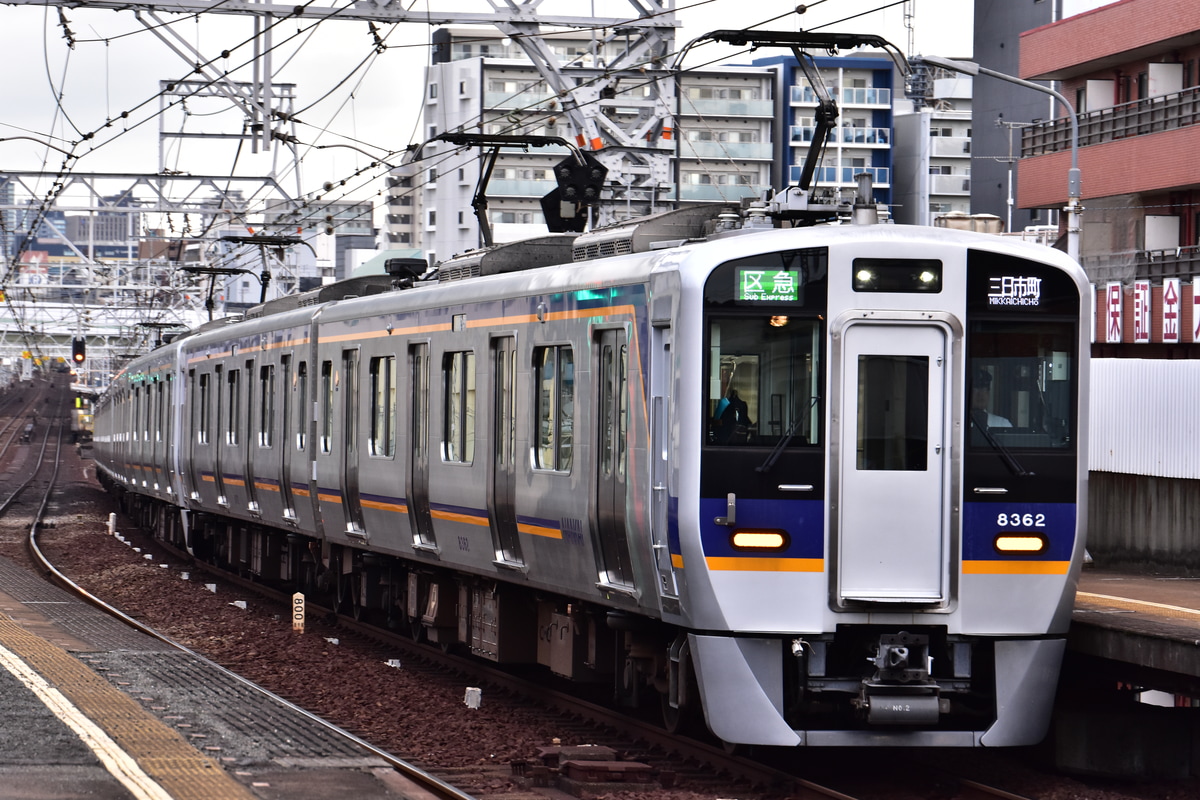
(306, 580)
(675, 720)
(358, 609)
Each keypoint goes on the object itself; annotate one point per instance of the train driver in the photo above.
(981, 401)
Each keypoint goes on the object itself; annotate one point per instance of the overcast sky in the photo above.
(115, 66)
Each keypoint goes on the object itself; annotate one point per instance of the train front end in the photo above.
(889, 463)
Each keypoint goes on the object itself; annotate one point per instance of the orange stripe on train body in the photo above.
(761, 564)
(1015, 567)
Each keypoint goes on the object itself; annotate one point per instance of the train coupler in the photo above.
(902, 691)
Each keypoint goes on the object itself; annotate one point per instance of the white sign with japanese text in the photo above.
(1114, 294)
(1172, 307)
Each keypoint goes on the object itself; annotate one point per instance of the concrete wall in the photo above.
(1144, 521)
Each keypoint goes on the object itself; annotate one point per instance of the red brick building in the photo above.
(1132, 69)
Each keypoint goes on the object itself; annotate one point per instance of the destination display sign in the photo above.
(768, 285)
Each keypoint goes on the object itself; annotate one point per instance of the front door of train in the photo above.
(892, 505)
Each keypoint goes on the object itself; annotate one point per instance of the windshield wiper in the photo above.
(1014, 466)
(777, 451)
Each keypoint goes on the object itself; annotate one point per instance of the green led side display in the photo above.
(768, 285)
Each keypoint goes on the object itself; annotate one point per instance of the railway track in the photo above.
(704, 768)
(25, 504)
(701, 768)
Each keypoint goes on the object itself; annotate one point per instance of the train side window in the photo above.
(137, 413)
(301, 389)
(554, 406)
(235, 411)
(168, 417)
(326, 406)
(458, 435)
(383, 406)
(1021, 383)
(158, 412)
(266, 404)
(204, 420)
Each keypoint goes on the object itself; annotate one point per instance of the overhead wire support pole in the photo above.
(1074, 180)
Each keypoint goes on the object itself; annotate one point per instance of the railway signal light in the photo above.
(579, 183)
(78, 350)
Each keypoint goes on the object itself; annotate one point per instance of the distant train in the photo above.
(821, 484)
(81, 415)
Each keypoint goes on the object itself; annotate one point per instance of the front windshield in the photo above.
(763, 380)
(1021, 384)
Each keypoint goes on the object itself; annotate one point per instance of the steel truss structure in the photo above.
(111, 301)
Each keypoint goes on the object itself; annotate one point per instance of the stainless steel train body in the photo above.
(822, 484)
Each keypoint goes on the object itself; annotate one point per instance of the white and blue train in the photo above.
(820, 485)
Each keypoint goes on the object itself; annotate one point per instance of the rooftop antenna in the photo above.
(910, 11)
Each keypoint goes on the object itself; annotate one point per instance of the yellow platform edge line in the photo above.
(81, 705)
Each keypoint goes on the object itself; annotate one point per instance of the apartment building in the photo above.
(932, 159)
(862, 141)
(1132, 69)
(479, 82)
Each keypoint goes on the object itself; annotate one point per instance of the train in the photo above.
(812, 485)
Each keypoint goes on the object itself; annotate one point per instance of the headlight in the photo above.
(1020, 543)
(760, 540)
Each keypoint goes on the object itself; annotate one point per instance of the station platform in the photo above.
(1146, 620)
(95, 709)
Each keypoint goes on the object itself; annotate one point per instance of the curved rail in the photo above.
(437, 787)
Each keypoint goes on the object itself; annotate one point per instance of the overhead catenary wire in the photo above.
(346, 187)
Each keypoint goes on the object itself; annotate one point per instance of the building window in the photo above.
(554, 377)
(432, 91)
(432, 218)
(462, 87)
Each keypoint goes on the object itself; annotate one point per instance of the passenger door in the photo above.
(351, 399)
(612, 420)
(892, 508)
(419, 514)
(502, 481)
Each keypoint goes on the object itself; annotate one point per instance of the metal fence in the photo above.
(1163, 113)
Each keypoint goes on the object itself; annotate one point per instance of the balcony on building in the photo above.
(950, 184)
(717, 193)
(1084, 52)
(694, 106)
(527, 99)
(803, 95)
(844, 176)
(950, 146)
(507, 187)
(738, 151)
(880, 137)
